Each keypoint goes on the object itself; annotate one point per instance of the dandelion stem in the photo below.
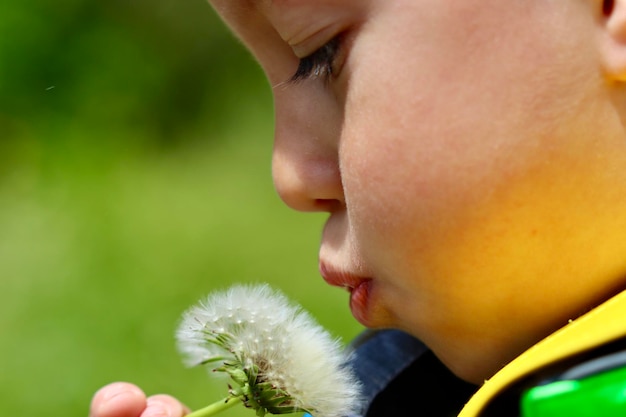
(216, 407)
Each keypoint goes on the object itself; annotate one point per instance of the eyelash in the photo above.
(320, 64)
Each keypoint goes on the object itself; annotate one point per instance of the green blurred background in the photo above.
(135, 142)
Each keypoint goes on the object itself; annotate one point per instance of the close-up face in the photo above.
(468, 153)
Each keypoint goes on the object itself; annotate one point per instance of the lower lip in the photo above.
(360, 302)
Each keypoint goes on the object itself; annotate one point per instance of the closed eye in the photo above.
(320, 64)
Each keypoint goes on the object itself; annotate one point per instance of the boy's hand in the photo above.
(121, 399)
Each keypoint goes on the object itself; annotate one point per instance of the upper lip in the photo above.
(339, 277)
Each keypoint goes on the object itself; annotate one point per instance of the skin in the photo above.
(471, 159)
(122, 399)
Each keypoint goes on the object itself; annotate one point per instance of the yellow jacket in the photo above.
(600, 326)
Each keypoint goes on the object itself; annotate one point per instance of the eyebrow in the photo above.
(233, 9)
(266, 5)
(235, 6)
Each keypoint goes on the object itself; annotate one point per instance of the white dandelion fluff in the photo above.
(279, 358)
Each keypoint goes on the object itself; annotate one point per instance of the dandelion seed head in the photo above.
(260, 329)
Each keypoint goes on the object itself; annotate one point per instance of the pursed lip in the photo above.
(359, 287)
(340, 278)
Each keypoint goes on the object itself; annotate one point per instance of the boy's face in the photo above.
(467, 152)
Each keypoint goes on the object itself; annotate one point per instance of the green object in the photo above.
(216, 407)
(602, 394)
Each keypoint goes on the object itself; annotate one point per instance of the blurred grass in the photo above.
(122, 202)
(98, 264)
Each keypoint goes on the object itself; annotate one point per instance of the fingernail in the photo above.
(156, 409)
(114, 398)
(115, 391)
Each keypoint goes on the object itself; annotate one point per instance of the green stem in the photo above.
(216, 407)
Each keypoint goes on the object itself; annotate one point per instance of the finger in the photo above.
(119, 399)
(164, 406)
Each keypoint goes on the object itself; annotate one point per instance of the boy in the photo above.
(471, 156)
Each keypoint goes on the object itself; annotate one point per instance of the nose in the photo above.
(305, 161)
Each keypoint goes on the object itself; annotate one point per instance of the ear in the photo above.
(614, 39)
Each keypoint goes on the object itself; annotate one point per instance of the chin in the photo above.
(473, 368)
(471, 373)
